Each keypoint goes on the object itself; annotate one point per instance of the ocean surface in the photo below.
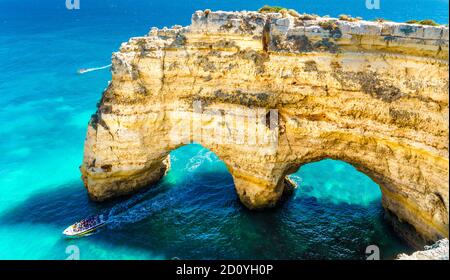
(193, 213)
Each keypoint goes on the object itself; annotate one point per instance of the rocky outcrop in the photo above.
(438, 251)
(268, 93)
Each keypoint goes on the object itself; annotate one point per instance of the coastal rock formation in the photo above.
(269, 92)
(438, 251)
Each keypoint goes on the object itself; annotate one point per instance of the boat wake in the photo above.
(139, 211)
(160, 197)
(157, 198)
(86, 70)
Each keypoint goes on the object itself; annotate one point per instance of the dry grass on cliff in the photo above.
(285, 12)
(429, 22)
(271, 9)
(349, 18)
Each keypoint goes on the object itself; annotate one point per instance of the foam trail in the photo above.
(140, 211)
(126, 205)
(157, 198)
(85, 70)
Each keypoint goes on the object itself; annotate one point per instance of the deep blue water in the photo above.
(44, 112)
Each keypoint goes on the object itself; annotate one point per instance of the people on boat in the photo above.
(86, 223)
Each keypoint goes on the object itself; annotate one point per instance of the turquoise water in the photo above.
(45, 108)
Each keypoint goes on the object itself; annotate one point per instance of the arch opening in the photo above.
(201, 207)
(200, 172)
(336, 182)
(338, 196)
(194, 159)
(368, 188)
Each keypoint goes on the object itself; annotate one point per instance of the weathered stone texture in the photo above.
(372, 94)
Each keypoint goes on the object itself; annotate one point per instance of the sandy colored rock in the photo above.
(372, 94)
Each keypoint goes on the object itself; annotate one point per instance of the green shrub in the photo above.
(348, 18)
(428, 22)
(413, 21)
(328, 25)
(308, 16)
(294, 13)
(271, 9)
(423, 22)
(345, 18)
(332, 27)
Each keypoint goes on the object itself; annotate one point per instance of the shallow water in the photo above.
(45, 107)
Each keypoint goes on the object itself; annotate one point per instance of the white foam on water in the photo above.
(83, 71)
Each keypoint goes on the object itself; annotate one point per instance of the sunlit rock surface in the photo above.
(372, 94)
(438, 251)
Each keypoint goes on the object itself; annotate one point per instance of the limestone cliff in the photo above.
(438, 251)
(372, 94)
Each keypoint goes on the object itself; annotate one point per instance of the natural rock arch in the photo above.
(372, 94)
(396, 198)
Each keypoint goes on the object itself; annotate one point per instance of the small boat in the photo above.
(85, 70)
(82, 70)
(86, 226)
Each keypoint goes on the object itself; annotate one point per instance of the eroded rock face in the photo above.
(372, 94)
(438, 251)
